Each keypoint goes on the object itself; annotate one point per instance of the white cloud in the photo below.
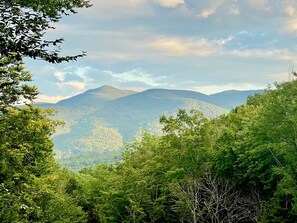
(60, 75)
(170, 3)
(253, 53)
(79, 86)
(291, 24)
(234, 10)
(290, 10)
(262, 53)
(206, 13)
(137, 75)
(211, 9)
(223, 42)
(50, 99)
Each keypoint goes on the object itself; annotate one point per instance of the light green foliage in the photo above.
(26, 154)
(102, 138)
(99, 193)
(30, 182)
(55, 204)
(274, 135)
(186, 137)
(28, 191)
(257, 149)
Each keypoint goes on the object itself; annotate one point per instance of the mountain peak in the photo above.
(97, 95)
(102, 88)
(106, 86)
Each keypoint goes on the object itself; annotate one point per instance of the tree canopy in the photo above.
(23, 24)
(31, 188)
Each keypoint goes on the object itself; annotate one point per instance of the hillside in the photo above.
(98, 121)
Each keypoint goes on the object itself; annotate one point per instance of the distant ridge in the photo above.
(99, 120)
(226, 99)
(94, 96)
(232, 98)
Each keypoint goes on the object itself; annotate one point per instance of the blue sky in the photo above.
(202, 45)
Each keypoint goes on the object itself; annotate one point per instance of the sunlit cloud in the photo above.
(253, 53)
(261, 53)
(60, 75)
(207, 13)
(170, 3)
(291, 24)
(210, 9)
(290, 10)
(78, 86)
(173, 46)
(224, 41)
(50, 99)
(234, 10)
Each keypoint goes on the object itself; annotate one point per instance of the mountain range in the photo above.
(98, 121)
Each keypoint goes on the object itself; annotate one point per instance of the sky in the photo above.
(202, 45)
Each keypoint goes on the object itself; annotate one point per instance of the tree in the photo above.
(209, 199)
(26, 154)
(256, 150)
(26, 149)
(12, 92)
(23, 24)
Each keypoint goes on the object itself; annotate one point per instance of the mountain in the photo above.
(94, 96)
(226, 99)
(138, 110)
(98, 121)
(231, 99)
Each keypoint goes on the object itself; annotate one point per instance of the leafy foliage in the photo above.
(23, 24)
(12, 91)
(30, 189)
(239, 167)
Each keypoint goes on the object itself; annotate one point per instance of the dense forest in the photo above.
(239, 167)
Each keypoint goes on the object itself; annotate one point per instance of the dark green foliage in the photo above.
(12, 87)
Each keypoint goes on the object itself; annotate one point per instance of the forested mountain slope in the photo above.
(98, 121)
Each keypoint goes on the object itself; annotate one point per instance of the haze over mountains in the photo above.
(98, 121)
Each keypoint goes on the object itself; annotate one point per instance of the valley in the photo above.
(99, 121)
